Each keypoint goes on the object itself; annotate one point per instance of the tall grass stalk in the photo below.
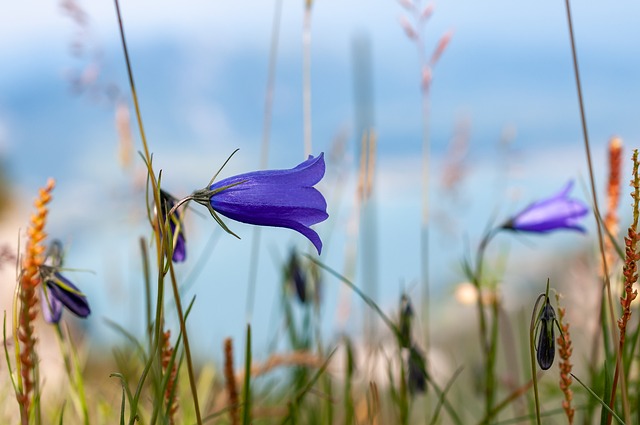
(246, 390)
(488, 337)
(306, 77)
(587, 148)
(264, 151)
(160, 239)
(532, 354)
(415, 32)
(392, 327)
(630, 272)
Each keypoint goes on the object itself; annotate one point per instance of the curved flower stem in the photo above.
(534, 377)
(183, 329)
(488, 342)
(614, 334)
(178, 204)
(158, 229)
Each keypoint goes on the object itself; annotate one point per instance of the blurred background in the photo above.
(504, 128)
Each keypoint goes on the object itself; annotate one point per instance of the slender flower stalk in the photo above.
(160, 252)
(415, 32)
(306, 75)
(29, 280)
(565, 350)
(596, 208)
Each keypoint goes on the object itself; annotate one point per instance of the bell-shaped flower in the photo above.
(277, 198)
(554, 213)
(417, 374)
(546, 347)
(297, 277)
(175, 222)
(406, 319)
(58, 292)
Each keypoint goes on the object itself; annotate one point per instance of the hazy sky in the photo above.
(201, 69)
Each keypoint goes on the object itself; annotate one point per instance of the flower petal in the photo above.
(278, 198)
(69, 295)
(180, 250)
(51, 307)
(307, 173)
(180, 247)
(554, 213)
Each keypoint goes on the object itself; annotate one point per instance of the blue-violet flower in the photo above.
(554, 213)
(297, 277)
(277, 198)
(546, 348)
(175, 222)
(417, 376)
(56, 291)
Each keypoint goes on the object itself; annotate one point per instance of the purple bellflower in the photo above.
(296, 275)
(554, 213)
(58, 292)
(546, 348)
(417, 375)
(277, 198)
(175, 222)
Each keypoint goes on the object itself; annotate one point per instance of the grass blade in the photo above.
(603, 403)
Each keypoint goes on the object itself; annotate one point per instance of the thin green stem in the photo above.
(246, 391)
(306, 76)
(534, 377)
(185, 342)
(158, 229)
(147, 288)
(488, 342)
(597, 215)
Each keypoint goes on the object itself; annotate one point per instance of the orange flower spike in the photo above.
(33, 259)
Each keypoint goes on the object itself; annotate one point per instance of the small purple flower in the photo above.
(277, 198)
(554, 213)
(179, 248)
(296, 276)
(57, 292)
(546, 348)
(406, 319)
(417, 375)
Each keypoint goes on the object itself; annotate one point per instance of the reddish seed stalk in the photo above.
(630, 273)
(29, 280)
(611, 219)
(565, 348)
(596, 209)
(170, 394)
(232, 391)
